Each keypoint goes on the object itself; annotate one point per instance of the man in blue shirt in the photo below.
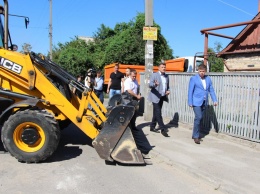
(98, 89)
(200, 86)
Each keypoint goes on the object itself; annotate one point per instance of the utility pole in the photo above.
(148, 58)
(50, 29)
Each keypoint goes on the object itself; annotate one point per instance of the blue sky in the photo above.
(180, 20)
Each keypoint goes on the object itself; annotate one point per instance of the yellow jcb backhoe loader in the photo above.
(36, 99)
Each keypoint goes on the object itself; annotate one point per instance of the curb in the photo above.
(227, 137)
(159, 158)
(216, 183)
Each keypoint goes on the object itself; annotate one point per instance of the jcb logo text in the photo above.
(11, 65)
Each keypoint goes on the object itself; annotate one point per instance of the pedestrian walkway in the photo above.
(230, 164)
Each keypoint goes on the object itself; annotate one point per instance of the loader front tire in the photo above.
(31, 135)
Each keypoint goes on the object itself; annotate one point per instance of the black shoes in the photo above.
(197, 140)
(154, 130)
(164, 133)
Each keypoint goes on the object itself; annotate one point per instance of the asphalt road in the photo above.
(76, 168)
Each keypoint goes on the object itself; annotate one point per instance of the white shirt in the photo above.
(163, 83)
(99, 82)
(203, 83)
(86, 81)
(129, 84)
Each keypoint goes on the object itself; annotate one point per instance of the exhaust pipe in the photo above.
(6, 24)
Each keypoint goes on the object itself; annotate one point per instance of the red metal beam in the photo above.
(239, 52)
(206, 43)
(220, 35)
(230, 25)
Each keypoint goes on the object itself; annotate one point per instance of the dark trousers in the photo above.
(139, 137)
(100, 95)
(132, 122)
(157, 114)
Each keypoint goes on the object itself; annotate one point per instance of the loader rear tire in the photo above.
(31, 135)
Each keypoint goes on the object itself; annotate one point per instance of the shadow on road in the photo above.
(174, 122)
(209, 122)
(69, 146)
(141, 140)
(2, 149)
(72, 138)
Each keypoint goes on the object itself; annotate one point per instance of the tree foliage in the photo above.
(123, 44)
(216, 63)
(73, 56)
(26, 48)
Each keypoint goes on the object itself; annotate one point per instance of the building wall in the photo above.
(245, 62)
(86, 38)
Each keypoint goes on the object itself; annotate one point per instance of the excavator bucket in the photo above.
(115, 141)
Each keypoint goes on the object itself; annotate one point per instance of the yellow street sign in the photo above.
(149, 33)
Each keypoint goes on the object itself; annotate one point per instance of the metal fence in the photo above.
(237, 113)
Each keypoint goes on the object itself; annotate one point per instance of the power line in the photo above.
(29, 27)
(235, 7)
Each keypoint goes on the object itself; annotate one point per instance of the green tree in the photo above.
(123, 44)
(126, 45)
(73, 56)
(216, 63)
(26, 48)
(103, 33)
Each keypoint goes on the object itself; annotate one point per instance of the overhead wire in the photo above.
(235, 7)
(42, 22)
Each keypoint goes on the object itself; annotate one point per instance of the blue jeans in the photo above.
(99, 94)
(199, 111)
(112, 92)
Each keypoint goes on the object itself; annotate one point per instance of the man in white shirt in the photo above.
(127, 73)
(131, 86)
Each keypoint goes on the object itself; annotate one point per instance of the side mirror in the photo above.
(2, 10)
(14, 47)
(26, 20)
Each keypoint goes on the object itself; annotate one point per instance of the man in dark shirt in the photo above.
(116, 82)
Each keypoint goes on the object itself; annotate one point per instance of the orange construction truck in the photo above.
(173, 65)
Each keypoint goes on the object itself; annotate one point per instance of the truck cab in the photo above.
(192, 63)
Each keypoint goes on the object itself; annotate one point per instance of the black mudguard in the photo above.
(115, 141)
(21, 104)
